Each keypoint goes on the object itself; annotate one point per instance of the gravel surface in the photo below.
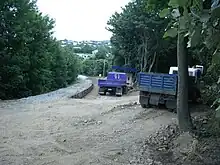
(81, 84)
(95, 130)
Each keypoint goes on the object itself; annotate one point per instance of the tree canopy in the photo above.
(32, 61)
(137, 39)
(151, 35)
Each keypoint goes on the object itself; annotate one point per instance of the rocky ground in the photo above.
(99, 130)
(170, 147)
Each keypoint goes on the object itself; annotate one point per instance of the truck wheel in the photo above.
(196, 95)
(125, 90)
(112, 93)
(144, 101)
(118, 92)
(102, 91)
(171, 105)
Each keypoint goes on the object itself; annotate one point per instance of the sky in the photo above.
(81, 19)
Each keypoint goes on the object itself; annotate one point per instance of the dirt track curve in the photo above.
(98, 130)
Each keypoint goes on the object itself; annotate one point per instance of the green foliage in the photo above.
(179, 3)
(84, 48)
(174, 3)
(199, 21)
(99, 63)
(137, 36)
(94, 66)
(164, 12)
(172, 32)
(102, 53)
(32, 62)
(217, 104)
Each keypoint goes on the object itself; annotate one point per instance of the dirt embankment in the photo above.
(93, 130)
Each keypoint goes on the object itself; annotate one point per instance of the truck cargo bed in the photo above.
(158, 83)
(111, 83)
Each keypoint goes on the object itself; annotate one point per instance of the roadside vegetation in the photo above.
(32, 60)
(153, 35)
(100, 63)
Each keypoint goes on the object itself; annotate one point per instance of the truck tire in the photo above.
(143, 105)
(119, 91)
(112, 93)
(171, 105)
(144, 101)
(195, 95)
(125, 90)
(102, 91)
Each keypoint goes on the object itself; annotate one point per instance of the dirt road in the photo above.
(94, 130)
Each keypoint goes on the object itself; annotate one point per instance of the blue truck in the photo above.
(116, 83)
(156, 88)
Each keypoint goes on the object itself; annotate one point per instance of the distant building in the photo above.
(85, 56)
(77, 47)
(94, 51)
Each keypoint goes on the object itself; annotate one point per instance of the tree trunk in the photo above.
(184, 118)
(142, 62)
(153, 61)
(145, 64)
(126, 60)
(156, 64)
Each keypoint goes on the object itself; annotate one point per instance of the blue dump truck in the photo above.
(116, 83)
(156, 88)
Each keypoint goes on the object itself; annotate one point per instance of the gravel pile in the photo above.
(162, 139)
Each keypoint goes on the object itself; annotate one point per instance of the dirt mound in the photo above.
(169, 146)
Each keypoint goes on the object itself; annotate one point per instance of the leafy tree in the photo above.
(84, 48)
(72, 64)
(99, 63)
(94, 67)
(32, 61)
(137, 37)
(102, 52)
(139, 40)
(191, 22)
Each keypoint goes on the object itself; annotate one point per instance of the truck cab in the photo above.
(195, 71)
(118, 76)
(115, 83)
(118, 82)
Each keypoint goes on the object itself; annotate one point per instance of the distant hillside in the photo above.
(87, 49)
(90, 42)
